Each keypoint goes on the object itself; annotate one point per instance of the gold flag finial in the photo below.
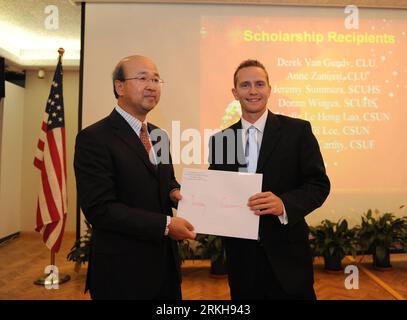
(61, 51)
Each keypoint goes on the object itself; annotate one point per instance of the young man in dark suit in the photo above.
(279, 264)
(126, 193)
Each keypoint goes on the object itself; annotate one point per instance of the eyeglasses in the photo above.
(145, 80)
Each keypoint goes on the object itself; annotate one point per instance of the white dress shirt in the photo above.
(260, 125)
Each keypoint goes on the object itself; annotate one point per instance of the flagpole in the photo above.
(52, 277)
(61, 52)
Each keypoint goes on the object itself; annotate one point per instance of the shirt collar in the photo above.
(259, 124)
(134, 123)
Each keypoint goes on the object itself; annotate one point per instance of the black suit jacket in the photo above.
(126, 199)
(293, 169)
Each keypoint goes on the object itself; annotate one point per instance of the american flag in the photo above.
(50, 159)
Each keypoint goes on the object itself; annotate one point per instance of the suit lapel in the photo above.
(128, 136)
(271, 136)
(158, 168)
(161, 168)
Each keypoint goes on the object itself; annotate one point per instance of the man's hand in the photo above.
(175, 196)
(266, 203)
(180, 229)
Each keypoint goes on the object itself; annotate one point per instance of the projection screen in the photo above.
(351, 84)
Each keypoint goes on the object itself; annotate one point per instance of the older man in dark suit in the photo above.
(126, 193)
(279, 264)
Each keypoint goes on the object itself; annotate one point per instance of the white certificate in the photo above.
(215, 202)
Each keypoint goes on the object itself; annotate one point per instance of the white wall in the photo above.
(11, 159)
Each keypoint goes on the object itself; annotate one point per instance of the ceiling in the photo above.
(28, 42)
(31, 31)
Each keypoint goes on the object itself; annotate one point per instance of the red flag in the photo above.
(50, 159)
